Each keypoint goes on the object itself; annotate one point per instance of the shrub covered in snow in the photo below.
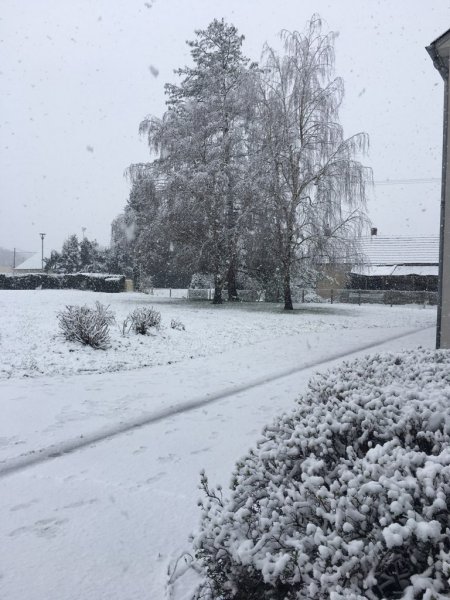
(143, 318)
(202, 281)
(146, 284)
(346, 498)
(177, 324)
(89, 326)
(96, 282)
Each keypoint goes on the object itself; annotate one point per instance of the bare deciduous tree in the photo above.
(315, 187)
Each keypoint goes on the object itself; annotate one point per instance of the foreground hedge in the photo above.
(347, 497)
(96, 282)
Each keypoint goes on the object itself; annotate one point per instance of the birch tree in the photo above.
(315, 188)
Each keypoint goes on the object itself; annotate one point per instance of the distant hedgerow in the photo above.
(89, 326)
(345, 498)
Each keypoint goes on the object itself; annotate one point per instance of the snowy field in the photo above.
(31, 345)
(99, 470)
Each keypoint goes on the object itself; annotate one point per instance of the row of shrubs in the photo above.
(95, 282)
(90, 326)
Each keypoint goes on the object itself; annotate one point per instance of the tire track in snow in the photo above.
(35, 457)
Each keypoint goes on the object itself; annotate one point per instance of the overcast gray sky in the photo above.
(78, 76)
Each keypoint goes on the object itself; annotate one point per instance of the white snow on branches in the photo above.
(346, 497)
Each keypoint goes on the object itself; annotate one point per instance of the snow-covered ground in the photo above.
(31, 345)
(99, 472)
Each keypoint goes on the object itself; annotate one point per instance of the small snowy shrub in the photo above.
(177, 324)
(307, 295)
(202, 281)
(89, 326)
(347, 497)
(142, 319)
(146, 284)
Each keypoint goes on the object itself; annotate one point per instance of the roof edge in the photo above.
(439, 64)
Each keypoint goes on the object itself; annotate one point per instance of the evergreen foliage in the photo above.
(75, 256)
(347, 497)
(78, 281)
(201, 140)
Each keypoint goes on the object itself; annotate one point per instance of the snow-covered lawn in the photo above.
(108, 519)
(31, 344)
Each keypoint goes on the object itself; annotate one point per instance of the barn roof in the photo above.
(394, 250)
(402, 270)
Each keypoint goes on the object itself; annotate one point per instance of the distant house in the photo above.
(31, 265)
(397, 263)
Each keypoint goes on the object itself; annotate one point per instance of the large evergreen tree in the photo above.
(70, 255)
(202, 144)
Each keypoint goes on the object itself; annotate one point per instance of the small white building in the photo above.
(31, 265)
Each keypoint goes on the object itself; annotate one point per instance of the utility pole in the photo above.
(14, 259)
(42, 249)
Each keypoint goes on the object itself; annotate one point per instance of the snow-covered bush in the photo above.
(202, 281)
(89, 326)
(307, 295)
(347, 497)
(143, 318)
(312, 297)
(97, 282)
(177, 324)
(146, 284)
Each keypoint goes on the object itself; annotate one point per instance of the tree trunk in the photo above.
(230, 215)
(218, 286)
(231, 283)
(287, 289)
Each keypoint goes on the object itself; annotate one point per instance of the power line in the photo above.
(408, 181)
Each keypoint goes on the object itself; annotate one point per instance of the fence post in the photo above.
(359, 297)
(332, 295)
(170, 292)
(303, 296)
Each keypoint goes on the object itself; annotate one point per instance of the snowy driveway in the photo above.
(107, 520)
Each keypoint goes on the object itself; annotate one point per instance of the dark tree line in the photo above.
(252, 178)
(82, 256)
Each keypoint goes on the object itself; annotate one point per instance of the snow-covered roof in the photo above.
(373, 271)
(417, 270)
(380, 250)
(34, 263)
(386, 270)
